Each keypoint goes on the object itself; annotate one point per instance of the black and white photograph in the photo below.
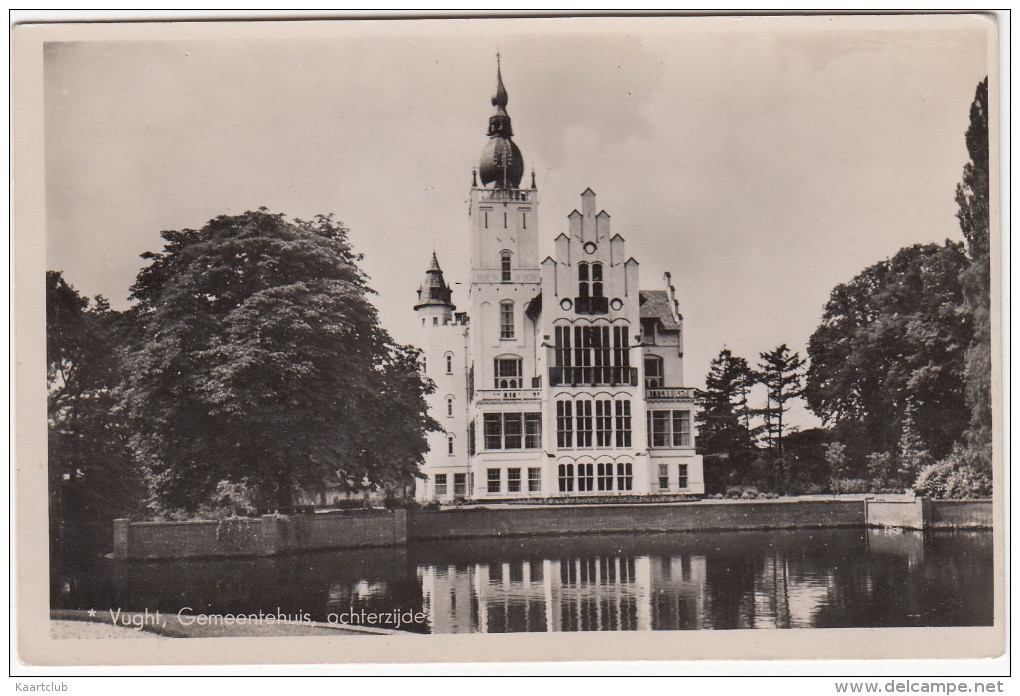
(663, 333)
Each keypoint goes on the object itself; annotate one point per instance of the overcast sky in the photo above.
(761, 161)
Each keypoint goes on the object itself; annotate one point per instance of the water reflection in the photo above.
(781, 579)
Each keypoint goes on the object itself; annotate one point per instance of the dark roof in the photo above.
(655, 305)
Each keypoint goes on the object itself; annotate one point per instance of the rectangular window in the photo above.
(681, 428)
(494, 480)
(663, 476)
(623, 424)
(625, 476)
(534, 479)
(669, 428)
(564, 424)
(604, 423)
(506, 320)
(512, 431)
(493, 430)
(584, 423)
(683, 476)
(532, 430)
(585, 477)
(460, 484)
(440, 481)
(513, 480)
(566, 478)
(605, 476)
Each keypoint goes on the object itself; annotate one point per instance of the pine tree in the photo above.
(722, 415)
(782, 373)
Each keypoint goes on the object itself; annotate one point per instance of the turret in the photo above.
(435, 298)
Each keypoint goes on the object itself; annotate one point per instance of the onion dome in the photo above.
(501, 163)
(434, 291)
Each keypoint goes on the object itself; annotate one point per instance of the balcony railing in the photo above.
(508, 395)
(593, 376)
(670, 394)
(591, 305)
(500, 195)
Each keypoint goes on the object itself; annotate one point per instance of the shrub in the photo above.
(734, 491)
(850, 485)
(750, 493)
(956, 476)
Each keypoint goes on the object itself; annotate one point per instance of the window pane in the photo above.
(623, 438)
(584, 424)
(585, 477)
(493, 430)
(683, 476)
(459, 484)
(681, 428)
(505, 266)
(512, 430)
(493, 480)
(506, 320)
(534, 479)
(564, 424)
(660, 428)
(440, 485)
(663, 476)
(625, 476)
(513, 480)
(532, 430)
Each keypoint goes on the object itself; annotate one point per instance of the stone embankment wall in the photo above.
(274, 534)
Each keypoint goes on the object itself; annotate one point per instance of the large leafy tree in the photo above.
(895, 334)
(93, 477)
(972, 197)
(262, 362)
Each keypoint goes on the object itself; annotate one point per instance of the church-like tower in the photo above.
(567, 382)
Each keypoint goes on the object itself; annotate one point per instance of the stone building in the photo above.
(563, 378)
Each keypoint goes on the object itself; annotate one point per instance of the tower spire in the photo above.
(501, 162)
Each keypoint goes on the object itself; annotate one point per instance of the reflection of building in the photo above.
(564, 379)
(609, 593)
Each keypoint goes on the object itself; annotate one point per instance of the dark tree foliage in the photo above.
(262, 362)
(972, 197)
(92, 475)
(895, 334)
(723, 434)
(782, 373)
(721, 427)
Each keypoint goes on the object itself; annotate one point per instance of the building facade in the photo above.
(563, 378)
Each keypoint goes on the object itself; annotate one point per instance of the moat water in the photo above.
(719, 580)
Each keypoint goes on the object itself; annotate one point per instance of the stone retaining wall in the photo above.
(271, 535)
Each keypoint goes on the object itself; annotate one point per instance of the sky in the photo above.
(761, 161)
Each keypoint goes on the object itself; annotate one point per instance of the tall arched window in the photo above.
(449, 363)
(654, 378)
(504, 266)
(509, 372)
(583, 289)
(449, 407)
(449, 443)
(596, 280)
(506, 320)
